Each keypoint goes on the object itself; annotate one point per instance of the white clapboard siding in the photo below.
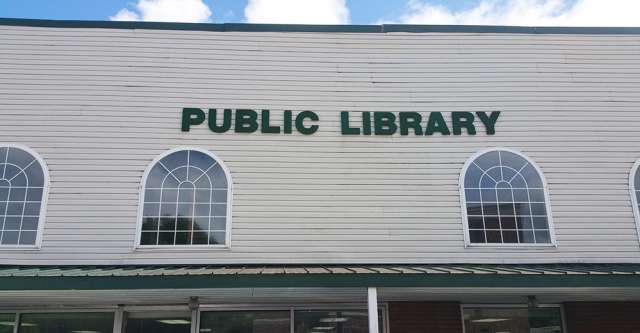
(100, 104)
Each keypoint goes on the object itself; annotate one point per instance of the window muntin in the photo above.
(186, 201)
(23, 185)
(504, 200)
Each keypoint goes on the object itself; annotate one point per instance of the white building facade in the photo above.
(311, 179)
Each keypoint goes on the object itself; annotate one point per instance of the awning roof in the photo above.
(254, 276)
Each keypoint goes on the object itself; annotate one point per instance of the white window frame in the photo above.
(463, 205)
(634, 199)
(43, 201)
(142, 189)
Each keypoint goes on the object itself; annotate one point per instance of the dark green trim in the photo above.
(320, 28)
(316, 280)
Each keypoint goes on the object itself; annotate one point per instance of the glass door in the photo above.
(157, 322)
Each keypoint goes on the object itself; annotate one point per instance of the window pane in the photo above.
(7, 320)
(505, 195)
(35, 175)
(477, 236)
(18, 194)
(149, 238)
(200, 161)
(487, 160)
(27, 238)
(69, 322)
(348, 321)
(19, 157)
(545, 320)
(218, 177)
(152, 195)
(542, 236)
(512, 160)
(488, 195)
(174, 322)
(216, 238)
(524, 222)
(245, 322)
(526, 236)
(491, 222)
(166, 238)
(531, 175)
(494, 236)
(472, 194)
(513, 320)
(156, 177)
(540, 222)
(475, 222)
(490, 209)
(10, 237)
(175, 160)
(520, 195)
(509, 236)
(472, 177)
(219, 223)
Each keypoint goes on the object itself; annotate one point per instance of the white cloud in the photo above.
(165, 11)
(297, 11)
(529, 13)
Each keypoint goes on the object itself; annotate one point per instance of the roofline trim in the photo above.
(384, 28)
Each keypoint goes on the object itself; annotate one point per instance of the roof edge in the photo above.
(384, 28)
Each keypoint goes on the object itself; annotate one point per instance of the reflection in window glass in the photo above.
(7, 322)
(505, 200)
(185, 201)
(245, 322)
(67, 322)
(22, 184)
(179, 322)
(347, 321)
(512, 320)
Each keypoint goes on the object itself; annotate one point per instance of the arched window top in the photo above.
(505, 200)
(186, 200)
(23, 191)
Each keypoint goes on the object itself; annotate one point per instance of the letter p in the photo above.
(191, 116)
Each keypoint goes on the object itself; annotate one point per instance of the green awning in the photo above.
(263, 276)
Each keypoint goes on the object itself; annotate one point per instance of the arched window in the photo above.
(186, 200)
(504, 199)
(634, 186)
(23, 191)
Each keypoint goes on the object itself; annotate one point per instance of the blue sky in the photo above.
(362, 11)
(498, 12)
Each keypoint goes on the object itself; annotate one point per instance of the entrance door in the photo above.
(157, 322)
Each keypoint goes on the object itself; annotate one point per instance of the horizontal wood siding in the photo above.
(100, 104)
